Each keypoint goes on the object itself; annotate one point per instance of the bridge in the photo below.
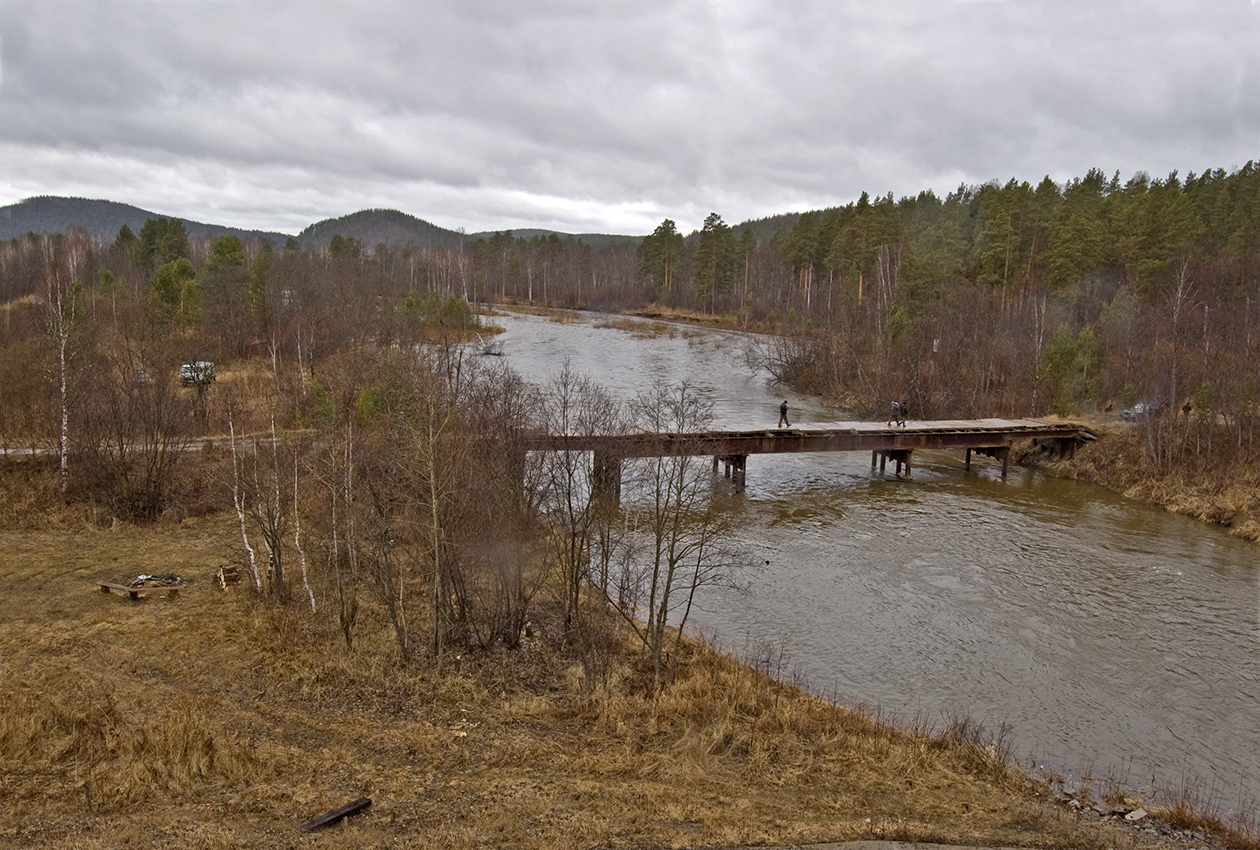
(990, 437)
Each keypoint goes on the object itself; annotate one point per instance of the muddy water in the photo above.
(1113, 638)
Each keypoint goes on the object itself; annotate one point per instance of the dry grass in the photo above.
(642, 328)
(215, 720)
(555, 314)
(674, 314)
(1190, 810)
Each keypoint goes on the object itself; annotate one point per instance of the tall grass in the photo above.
(1190, 807)
(77, 729)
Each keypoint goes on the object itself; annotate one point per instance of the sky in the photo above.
(588, 116)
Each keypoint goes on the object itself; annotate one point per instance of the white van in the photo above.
(201, 372)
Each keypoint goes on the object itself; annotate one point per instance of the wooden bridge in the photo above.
(990, 437)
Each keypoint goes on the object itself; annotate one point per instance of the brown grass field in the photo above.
(217, 719)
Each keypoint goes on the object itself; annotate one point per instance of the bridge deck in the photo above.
(840, 437)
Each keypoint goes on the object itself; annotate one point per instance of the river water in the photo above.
(1113, 639)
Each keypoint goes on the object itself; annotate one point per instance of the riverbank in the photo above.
(1117, 461)
(215, 719)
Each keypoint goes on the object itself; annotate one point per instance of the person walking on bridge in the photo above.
(783, 419)
(896, 415)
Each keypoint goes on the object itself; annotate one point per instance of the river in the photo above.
(1115, 640)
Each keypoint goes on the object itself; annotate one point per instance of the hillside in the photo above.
(101, 218)
(373, 227)
(765, 228)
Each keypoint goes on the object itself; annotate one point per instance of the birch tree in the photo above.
(63, 318)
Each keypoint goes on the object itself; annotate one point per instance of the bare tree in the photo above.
(400, 476)
(297, 534)
(63, 316)
(238, 501)
(259, 482)
(681, 537)
(334, 519)
(492, 511)
(574, 405)
(134, 434)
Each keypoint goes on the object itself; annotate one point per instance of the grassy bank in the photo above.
(219, 720)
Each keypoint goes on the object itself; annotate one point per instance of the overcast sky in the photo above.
(593, 116)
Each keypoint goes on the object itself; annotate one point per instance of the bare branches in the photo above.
(678, 535)
(574, 405)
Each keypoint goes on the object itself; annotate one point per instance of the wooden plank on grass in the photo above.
(337, 814)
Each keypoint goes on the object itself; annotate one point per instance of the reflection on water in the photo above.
(1111, 636)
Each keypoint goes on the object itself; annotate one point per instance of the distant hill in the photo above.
(102, 218)
(374, 227)
(397, 229)
(371, 227)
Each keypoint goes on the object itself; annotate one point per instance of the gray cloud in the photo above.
(585, 116)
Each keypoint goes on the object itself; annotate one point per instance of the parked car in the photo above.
(199, 373)
(1143, 410)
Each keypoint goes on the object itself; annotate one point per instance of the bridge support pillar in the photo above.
(734, 467)
(967, 462)
(739, 464)
(901, 457)
(606, 477)
(1002, 453)
(1058, 447)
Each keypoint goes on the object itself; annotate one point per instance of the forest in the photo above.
(366, 456)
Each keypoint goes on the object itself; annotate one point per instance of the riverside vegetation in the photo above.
(433, 618)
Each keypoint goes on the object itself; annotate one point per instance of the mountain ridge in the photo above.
(393, 228)
(59, 214)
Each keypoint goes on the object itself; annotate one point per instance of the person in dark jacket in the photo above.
(783, 420)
